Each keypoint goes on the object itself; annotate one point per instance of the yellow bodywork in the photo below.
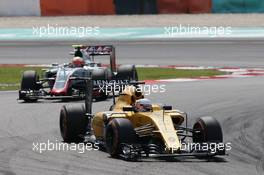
(163, 121)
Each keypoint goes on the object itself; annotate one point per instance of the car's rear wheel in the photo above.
(29, 82)
(127, 72)
(73, 123)
(119, 131)
(100, 74)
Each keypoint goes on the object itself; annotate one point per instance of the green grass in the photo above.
(170, 73)
(10, 77)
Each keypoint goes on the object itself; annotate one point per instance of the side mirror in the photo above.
(128, 108)
(167, 108)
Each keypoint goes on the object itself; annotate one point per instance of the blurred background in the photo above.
(111, 7)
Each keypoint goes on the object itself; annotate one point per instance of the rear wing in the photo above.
(96, 49)
(99, 50)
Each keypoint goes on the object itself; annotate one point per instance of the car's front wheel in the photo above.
(119, 131)
(73, 123)
(207, 130)
(29, 82)
(127, 72)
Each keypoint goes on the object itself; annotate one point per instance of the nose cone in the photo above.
(58, 92)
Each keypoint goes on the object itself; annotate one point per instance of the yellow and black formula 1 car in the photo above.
(134, 128)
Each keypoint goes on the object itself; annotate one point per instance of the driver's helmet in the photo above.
(143, 105)
(78, 62)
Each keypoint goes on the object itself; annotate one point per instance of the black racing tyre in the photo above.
(73, 123)
(118, 132)
(127, 72)
(30, 80)
(209, 131)
(100, 74)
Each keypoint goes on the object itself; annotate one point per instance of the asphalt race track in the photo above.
(237, 104)
(204, 53)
